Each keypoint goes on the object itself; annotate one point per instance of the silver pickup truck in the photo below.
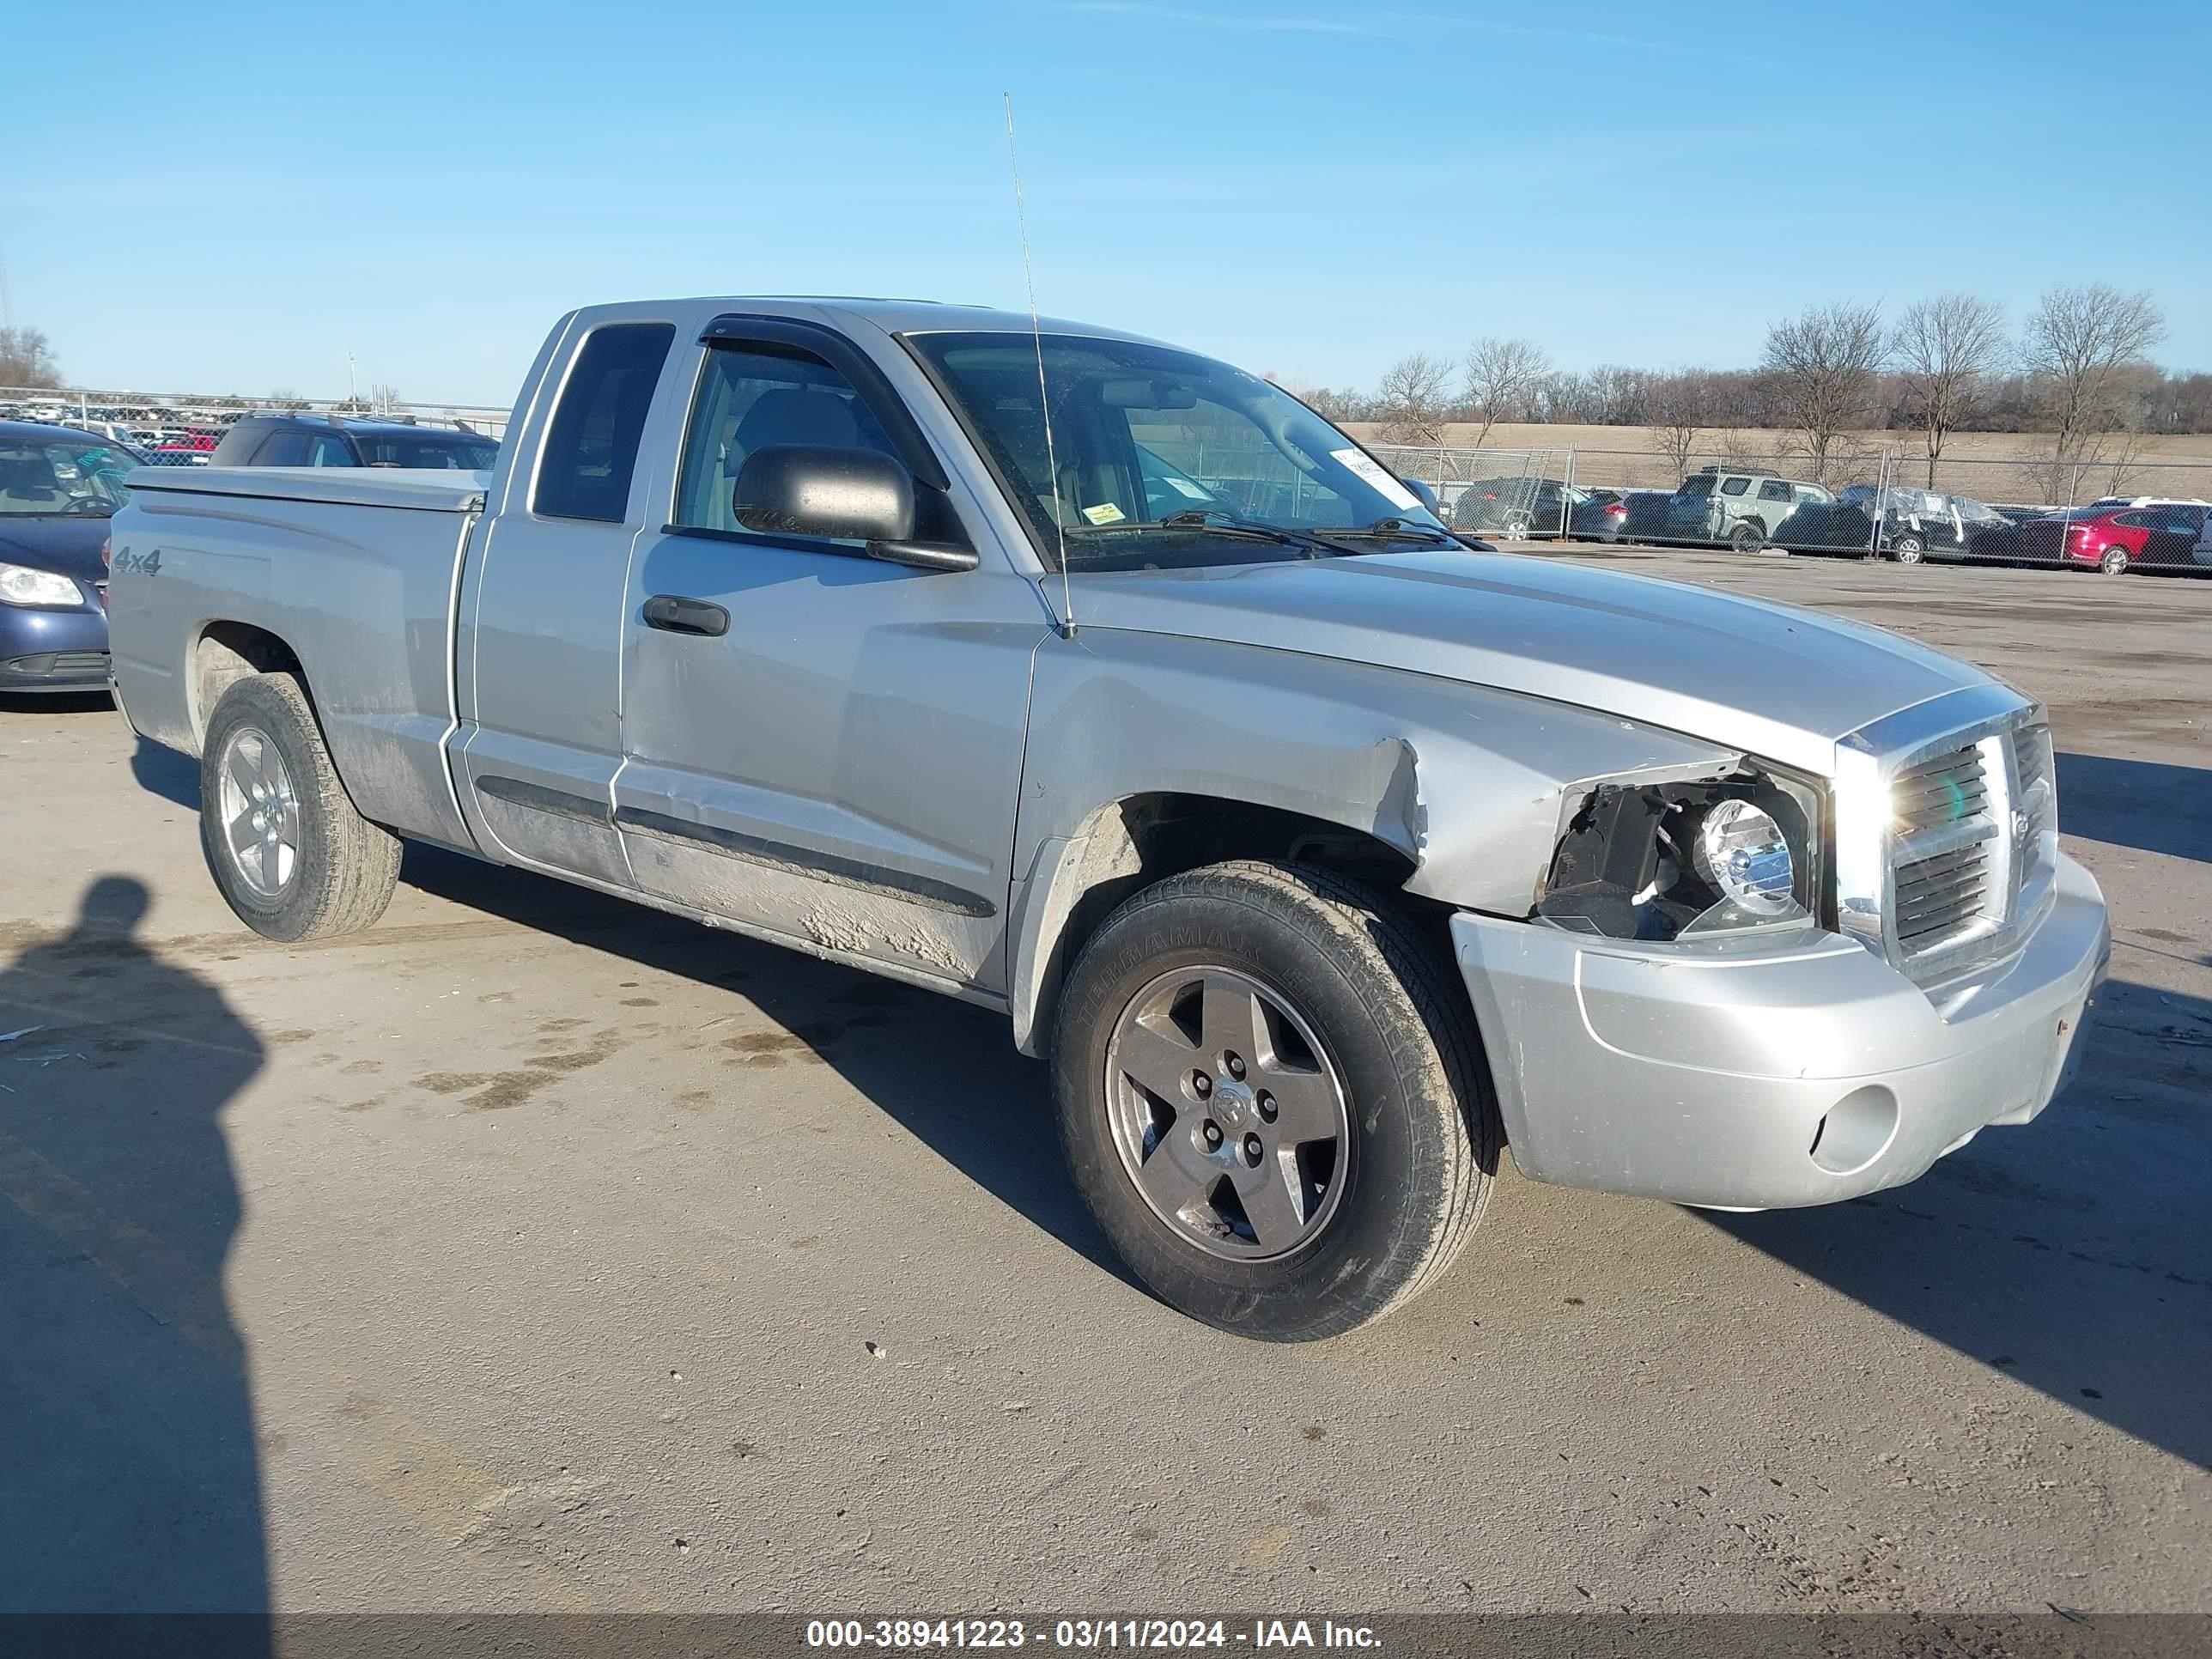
(1109, 686)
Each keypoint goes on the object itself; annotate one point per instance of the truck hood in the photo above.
(1772, 680)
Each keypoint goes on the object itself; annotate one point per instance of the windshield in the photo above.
(1141, 434)
(1702, 484)
(430, 449)
(62, 476)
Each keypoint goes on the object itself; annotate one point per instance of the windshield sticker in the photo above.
(1104, 512)
(1371, 473)
(1188, 489)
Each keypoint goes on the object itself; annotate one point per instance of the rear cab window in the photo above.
(1735, 486)
(590, 453)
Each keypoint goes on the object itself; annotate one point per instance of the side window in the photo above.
(286, 446)
(329, 450)
(590, 444)
(1774, 490)
(749, 399)
(1735, 486)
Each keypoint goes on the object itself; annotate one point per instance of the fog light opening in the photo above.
(1856, 1130)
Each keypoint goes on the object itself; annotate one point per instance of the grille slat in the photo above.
(1949, 789)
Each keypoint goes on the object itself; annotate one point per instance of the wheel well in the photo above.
(227, 652)
(1147, 838)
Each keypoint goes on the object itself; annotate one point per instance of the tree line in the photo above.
(27, 360)
(2077, 371)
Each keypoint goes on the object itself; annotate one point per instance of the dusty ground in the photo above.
(535, 1251)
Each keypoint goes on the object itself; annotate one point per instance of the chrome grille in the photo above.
(1968, 855)
(1944, 831)
(1949, 789)
(1946, 843)
(1938, 896)
(2037, 796)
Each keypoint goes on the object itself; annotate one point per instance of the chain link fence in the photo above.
(178, 429)
(1877, 501)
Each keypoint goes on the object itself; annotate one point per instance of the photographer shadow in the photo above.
(126, 1418)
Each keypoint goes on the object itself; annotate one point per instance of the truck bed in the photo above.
(432, 490)
(356, 569)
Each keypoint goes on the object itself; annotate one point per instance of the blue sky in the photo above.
(229, 196)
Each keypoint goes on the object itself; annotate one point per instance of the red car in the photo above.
(2114, 538)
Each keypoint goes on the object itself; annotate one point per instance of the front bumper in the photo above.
(43, 650)
(1759, 1079)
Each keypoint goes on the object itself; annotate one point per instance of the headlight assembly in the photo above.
(1670, 860)
(20, 584)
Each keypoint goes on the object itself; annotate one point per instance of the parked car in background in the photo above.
(58, 490)
(1915, 523)
(1741, 508)
(289, 437)
(2161, 536)
(1534, 508)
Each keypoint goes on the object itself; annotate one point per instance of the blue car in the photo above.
(58, 490)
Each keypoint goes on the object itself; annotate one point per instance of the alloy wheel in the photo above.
(259, 810)
(1229, 1115)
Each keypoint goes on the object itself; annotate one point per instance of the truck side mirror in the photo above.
(800, 490)
(847, 494)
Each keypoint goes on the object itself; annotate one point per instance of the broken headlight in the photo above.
(1666, 860)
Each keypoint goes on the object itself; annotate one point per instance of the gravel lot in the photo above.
(535, 1251)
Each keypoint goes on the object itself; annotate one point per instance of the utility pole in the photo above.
(349, 387)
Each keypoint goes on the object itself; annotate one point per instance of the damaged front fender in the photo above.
(1462, 781)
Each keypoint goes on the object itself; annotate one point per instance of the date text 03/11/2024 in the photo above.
(1086, 1634)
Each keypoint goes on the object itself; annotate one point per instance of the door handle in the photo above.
(675, 614)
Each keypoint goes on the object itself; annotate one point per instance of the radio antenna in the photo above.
(1044, 397)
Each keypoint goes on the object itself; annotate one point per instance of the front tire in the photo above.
(1909, 550)
(1270, 1097)
(291, 856)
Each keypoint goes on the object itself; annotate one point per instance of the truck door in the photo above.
(821, 745)
(539, 664)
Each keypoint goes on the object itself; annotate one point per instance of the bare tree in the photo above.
(1500, 376)
(2082, 343)
(1680, 408)
(1820, 368)
(27, 360)
(1414, 399)
(1946, 350)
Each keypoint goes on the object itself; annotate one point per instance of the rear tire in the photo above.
(290, 854)
(1748, 537)
(1909, 550)
(2114, 563)
(1381, 1163)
